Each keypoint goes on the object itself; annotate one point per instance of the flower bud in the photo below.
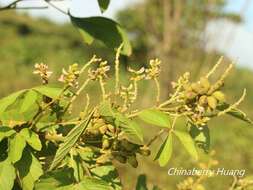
(219, 96)
(204, 82)
(203, 100)
(103, 129)
(145, 151)
(212, 102)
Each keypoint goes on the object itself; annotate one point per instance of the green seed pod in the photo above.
(204, 82)
(105, 144)
(203, 100)
(212, 102)
(132, 161)
(219, 96)
(120, 158)
(145, 151)
(103, 129)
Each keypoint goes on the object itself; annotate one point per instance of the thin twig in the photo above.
(117, 68)
(158, 91)
(57, 8)
(215, 67)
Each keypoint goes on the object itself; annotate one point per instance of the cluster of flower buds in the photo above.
(149, 73)
(154, 70)
(244, 183)
(200, 99)
(42, 70)
(137, 75)
(70, 77)
(189, 184)
(197, 100)
(111, 143)
(128, 94)
(100, 72)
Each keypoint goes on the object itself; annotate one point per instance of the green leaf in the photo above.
(188, 143)
(16, 147)
(130, 127)
(201, 137)
(29, 100)
(55, 179)
(109, 174)
(165, 151)
(6, 132)
(7, 101)
(141, 183)
(76, 164)
(103, 29)
(89, 183)
(70, 141)
(7, 175)
(105, 109)
(29, 169)
(235, 112)
(31, 138)
(52, 92)
(155, 117)
(103, 4)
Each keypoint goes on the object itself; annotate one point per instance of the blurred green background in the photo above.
(170, 30)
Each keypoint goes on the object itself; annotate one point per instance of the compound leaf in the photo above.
(7, 175)
(31, 138)
(29, 100)
(17, 145)
(155, 117)
(70, 141)
(201, 136)
(49, 91)
(188, 143)
(235, 112)
(165, 151)
(6, 132)
(29, 169)
(103, 29)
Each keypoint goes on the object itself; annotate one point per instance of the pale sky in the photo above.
(235, 41)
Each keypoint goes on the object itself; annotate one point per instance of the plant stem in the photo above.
(158, 91)
(57, 8)
(117, 69)
(75, 95)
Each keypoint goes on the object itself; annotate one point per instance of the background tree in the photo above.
(174, 31)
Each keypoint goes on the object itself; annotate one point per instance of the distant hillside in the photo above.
(25, 41)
